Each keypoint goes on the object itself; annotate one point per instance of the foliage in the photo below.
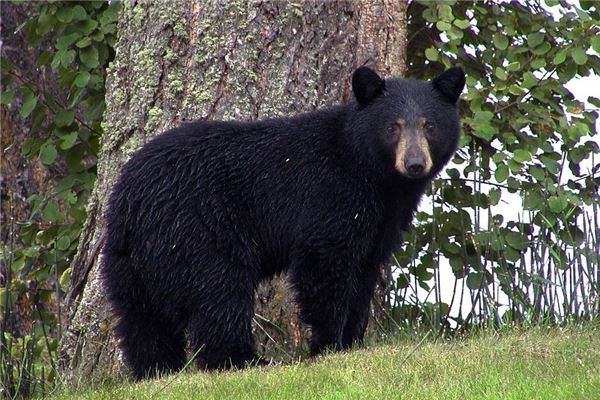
(77, 40)
(528, 145)
(537, 364)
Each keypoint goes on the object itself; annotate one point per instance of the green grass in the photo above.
(537, 364)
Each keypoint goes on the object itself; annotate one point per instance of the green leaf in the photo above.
(494, 196)
(29, 103)
(38, 116)
(30, 147)
(558, 203)
(514, 166)
(482, 125)
(17, 265)
(84, 42)
(64, 118)
(579, 55)
(68, 140)
(551, 165)
(65, 41)
(48, 153)
(45, 23)
(483, 116)
(431, 54)
(516, 89)
(98, 36)
(75, 97)
(454, 33)
(69, 196)
(451, 247)
(514, 66)
(501, 73)
(560, 57)
(594, 101)
(535, 39)
(538, 173)
(96, 108)
(521, 155)
(75, 156)
(542, 49)
(596, 43)
(475, 280)
(64, 14)
(500, 41)
(63, 243)
(484, 131)
(443, 26)
(55, 61)
(7, 97)
(44, 57)
(66, 57)
(86, 27)
(445, 13)
(82, 79)
(532, 200)
(498, 157)
(89, 57)
(511, 255)
(79, 13)
(51, 212)
(65, 183)
(501, 173)
(32, 251)
(461, 23)
(538, 63)
(585, 4)
(576, 107)
(529, 80)
(65, 278)
(516, 240)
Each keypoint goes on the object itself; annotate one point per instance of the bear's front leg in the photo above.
(324, 282)
(358, 313)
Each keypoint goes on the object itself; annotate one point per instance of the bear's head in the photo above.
(410, 128)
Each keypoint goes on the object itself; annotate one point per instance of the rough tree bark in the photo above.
(177, 61)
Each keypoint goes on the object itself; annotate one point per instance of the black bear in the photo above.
(204, 212)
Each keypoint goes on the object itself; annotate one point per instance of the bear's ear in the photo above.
(450, 83)
(366, 85)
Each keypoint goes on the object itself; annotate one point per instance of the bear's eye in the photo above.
(429, 126)
(390, 134)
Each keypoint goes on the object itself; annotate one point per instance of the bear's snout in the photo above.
(413, 158)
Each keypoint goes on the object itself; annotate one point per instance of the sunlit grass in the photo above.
(537, 364)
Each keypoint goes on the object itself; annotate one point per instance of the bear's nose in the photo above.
(415, 167)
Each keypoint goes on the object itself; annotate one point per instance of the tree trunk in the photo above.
(178, 61)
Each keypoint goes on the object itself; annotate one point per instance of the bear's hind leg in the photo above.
(150, 345)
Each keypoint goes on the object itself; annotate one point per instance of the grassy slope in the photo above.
(533, 365)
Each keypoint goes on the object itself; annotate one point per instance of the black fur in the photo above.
(450, 83)
(204, 212)
(366, 85)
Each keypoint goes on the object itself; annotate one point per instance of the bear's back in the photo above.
(248, 179)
